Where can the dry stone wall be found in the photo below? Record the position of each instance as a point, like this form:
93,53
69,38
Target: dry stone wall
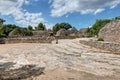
108,46
25,40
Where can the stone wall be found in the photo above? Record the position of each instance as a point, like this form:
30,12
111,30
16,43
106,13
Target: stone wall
41,33
108,46
25,40
65,37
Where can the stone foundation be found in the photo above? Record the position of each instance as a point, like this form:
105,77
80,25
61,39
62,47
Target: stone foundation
66,37
24,40
108,46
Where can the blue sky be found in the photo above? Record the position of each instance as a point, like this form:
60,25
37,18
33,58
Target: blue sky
79,13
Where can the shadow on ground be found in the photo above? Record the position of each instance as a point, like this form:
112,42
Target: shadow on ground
24,72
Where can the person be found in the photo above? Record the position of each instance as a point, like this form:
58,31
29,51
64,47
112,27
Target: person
53,37
56,41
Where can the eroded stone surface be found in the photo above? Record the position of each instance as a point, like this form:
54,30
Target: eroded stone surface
67,60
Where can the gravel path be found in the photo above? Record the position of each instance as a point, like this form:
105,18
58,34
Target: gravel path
67,60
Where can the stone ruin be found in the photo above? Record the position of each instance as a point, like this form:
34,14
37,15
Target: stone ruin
83,32
45,36
111,32
62,32
40,33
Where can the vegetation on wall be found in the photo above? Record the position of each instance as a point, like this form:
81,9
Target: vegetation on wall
40,26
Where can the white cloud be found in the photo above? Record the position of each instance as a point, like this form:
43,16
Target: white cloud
98,11
21,16
62,7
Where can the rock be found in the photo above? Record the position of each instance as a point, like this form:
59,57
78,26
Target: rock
111,31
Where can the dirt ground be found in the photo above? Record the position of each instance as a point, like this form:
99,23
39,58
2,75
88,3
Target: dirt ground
67,60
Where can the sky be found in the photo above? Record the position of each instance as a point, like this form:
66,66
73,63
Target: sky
79,13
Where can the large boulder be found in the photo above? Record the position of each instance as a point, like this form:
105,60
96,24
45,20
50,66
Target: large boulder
111,31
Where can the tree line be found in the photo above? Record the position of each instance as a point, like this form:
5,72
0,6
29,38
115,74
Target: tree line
10,30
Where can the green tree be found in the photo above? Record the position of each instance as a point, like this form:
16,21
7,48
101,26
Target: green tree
1,28
1,21
30,28
117,18
59,26
26,32
40,26
20,32
8,28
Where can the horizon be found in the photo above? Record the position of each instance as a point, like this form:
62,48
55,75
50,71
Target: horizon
79,13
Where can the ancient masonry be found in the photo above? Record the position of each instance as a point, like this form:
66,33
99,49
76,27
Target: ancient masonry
108,46
111,32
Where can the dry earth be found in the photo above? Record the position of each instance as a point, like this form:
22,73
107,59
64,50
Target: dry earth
68,60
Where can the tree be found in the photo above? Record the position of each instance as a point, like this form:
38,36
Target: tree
117,18
30,28
8,28
2,21
1,28
20,32
59,26
40,26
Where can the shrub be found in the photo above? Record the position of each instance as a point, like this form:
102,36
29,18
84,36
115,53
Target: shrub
2,35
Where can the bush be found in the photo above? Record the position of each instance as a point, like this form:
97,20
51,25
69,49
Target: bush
100,39
2,35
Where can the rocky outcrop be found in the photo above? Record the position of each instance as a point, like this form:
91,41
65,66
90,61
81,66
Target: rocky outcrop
111,32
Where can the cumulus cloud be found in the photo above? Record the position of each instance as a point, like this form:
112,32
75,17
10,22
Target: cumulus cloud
21,16
62,7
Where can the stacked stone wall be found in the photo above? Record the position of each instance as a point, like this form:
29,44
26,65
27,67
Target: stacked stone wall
108,46
25,40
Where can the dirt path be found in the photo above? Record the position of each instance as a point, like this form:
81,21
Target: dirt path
68,60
